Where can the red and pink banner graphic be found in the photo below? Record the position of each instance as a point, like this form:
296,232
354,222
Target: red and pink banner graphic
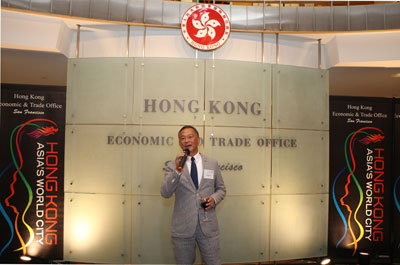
361,144
32,171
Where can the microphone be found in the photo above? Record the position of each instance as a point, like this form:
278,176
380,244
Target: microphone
183,160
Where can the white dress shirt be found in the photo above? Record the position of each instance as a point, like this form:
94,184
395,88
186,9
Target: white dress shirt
199,165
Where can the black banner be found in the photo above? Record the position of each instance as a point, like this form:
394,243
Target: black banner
32,171
360,177
396,185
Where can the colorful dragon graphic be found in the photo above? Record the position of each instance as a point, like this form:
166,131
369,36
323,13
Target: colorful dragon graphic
18,161
350,168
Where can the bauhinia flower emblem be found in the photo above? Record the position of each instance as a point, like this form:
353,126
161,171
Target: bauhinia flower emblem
205,26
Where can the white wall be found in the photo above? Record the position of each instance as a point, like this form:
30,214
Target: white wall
98,39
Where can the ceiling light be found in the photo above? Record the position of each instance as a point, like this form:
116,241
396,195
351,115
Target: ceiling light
395,75
363,258
325,261
25,258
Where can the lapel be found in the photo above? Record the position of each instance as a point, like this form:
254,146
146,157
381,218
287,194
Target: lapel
205,164
186,173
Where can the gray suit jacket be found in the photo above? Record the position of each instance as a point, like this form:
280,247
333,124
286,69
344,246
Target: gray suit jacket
187,209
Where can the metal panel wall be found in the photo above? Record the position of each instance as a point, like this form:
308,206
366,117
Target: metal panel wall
344,18
267,125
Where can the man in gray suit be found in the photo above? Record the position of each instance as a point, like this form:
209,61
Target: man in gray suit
199,181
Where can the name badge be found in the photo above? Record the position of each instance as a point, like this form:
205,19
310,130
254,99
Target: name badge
208,174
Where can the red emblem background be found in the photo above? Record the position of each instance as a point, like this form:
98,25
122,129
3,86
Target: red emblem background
205,43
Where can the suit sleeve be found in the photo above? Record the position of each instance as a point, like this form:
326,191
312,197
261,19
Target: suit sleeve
220,190
171,180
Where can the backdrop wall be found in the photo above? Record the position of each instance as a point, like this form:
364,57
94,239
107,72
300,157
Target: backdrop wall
267,125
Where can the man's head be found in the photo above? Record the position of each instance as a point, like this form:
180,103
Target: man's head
189,139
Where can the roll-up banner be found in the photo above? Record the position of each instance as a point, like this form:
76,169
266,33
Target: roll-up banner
31,171
396,185
360,177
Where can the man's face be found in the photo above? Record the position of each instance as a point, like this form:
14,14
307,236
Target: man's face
188,139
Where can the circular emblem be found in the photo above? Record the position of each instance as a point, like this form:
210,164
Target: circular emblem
205,27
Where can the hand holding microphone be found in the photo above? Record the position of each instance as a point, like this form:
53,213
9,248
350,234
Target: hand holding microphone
183,160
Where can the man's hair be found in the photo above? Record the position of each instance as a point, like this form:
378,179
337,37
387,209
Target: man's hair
186,127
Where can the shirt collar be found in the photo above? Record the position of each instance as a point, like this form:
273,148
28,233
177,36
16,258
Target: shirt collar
196,156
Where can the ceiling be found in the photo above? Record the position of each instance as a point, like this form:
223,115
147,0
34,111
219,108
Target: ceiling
46,68
33,67
364,81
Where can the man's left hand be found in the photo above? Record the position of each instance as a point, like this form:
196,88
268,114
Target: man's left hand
210,202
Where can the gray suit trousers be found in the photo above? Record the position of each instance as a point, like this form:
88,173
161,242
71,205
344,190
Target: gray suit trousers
185,248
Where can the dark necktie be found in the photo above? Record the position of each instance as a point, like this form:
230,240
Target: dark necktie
193,173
